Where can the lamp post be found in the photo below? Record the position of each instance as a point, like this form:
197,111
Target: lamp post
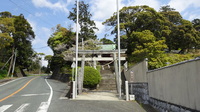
77,31
119,55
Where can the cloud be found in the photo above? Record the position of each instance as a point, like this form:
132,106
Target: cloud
100,26
182,5
191,15
103,9
152,3
58,6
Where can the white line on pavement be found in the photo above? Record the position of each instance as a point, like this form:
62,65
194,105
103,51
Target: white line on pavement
5,107
35,94
45,105
22,107
10,81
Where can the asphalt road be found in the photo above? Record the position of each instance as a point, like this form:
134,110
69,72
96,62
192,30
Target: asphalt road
38,94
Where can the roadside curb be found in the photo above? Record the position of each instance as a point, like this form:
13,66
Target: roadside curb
4,80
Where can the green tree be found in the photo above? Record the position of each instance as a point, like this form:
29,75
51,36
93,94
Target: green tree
187,36
136,19
174,19
6,29
179,33
23,36
16,34
61,40
106,41
87,25
196,24
48,58
144,45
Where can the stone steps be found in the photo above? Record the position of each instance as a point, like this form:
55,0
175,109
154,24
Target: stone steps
108,82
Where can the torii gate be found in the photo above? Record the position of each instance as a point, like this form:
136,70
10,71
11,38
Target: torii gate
98,58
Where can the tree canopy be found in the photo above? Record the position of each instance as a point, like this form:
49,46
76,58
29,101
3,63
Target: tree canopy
16,34
6,29
87,26
146,33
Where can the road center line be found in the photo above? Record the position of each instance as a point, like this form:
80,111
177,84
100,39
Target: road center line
17,90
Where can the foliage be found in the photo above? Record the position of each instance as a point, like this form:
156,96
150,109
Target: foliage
48,58
136,19
61,39
87,26
196,24
106,41
16,34
176,58
3,74
179,33
144,45
146,33
92,77
6,29
22,42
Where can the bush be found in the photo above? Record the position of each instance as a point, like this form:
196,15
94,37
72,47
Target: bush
3,74
92,77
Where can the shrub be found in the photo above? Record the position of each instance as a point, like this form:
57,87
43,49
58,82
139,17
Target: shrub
3,74
92,77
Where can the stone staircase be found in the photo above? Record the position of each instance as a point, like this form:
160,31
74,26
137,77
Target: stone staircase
108,82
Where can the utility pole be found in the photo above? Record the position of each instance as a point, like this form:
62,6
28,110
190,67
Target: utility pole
11,62
81,76
14,63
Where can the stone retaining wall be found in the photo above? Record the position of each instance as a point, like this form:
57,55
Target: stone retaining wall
140,90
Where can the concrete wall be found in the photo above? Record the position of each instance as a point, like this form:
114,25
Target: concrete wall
178,84
137,73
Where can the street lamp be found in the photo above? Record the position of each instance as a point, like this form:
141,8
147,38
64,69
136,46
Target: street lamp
77,31
119,55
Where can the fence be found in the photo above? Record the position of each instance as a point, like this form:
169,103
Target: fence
172,88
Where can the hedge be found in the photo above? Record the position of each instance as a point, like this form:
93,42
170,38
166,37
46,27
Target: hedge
92,77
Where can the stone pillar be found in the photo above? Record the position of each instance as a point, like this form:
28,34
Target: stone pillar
81,75
116,71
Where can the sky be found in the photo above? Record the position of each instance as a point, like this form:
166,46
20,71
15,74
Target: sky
43,15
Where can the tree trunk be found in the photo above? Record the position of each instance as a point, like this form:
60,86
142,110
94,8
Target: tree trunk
22,72
56,73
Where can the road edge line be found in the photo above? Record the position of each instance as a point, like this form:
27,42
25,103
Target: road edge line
44,106
11,81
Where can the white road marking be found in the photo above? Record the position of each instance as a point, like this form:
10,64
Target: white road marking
11,81
35,94
22,107
4,107
45,105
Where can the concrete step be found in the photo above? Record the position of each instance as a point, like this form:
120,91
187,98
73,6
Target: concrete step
107,87
108,81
